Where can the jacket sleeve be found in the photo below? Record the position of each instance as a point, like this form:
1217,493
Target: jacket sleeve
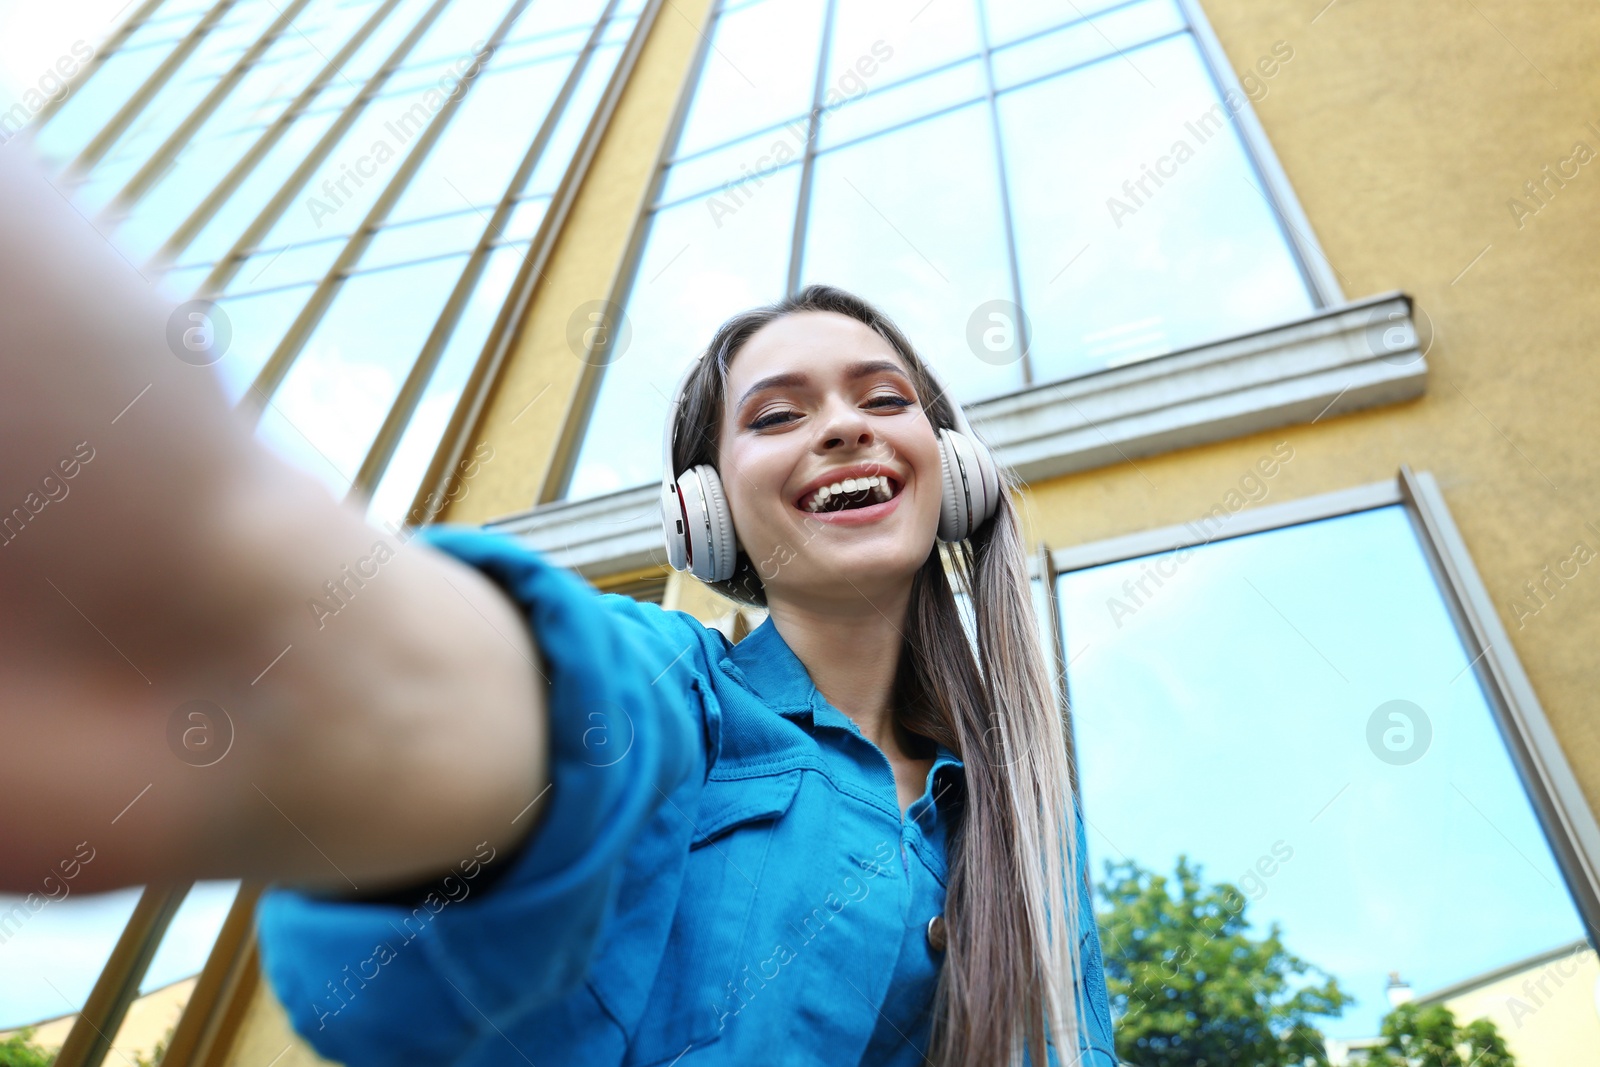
384,983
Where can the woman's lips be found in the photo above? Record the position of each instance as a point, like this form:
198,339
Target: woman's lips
857,516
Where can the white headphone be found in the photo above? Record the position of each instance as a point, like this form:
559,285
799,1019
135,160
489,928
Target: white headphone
699,527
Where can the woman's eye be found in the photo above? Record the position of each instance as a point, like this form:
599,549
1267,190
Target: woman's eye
889,400
771,418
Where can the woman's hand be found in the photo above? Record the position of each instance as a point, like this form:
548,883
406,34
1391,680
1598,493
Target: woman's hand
169,691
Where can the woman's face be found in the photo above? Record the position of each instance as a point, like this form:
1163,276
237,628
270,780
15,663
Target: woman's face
830,465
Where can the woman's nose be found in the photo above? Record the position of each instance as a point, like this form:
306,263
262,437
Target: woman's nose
844,425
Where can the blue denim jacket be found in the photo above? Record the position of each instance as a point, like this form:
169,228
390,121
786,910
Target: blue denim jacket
722,874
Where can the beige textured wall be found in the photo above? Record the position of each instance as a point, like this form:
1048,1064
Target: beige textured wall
1405,130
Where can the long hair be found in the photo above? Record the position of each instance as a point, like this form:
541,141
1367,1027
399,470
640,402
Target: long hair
1011,912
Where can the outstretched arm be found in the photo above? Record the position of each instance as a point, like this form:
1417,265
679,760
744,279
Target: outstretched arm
153,554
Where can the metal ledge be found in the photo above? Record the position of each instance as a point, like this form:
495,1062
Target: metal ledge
1358,355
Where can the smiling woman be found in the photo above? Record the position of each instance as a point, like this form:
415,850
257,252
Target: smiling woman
473,698
813,467
841,456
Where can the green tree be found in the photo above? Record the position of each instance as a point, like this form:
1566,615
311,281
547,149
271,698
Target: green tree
1193,989
1430,1037
18,1050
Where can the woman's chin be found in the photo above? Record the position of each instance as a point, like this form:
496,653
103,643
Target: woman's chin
869,566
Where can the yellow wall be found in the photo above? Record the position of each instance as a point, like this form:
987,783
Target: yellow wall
1548,1014
1404,130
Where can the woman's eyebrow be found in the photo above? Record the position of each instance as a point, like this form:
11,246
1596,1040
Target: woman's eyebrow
852,372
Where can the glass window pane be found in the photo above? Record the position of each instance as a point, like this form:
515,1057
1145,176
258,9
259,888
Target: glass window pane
1303,695
1159,237
737,165
188,941
259,322
452,35
748,82
240,210
53,953
349,181
702,264
338,392
457,232
911,221
479,152
881,108
95,101
1082,41
1010,19
183,282
278,267
370,154
525,219
286,68
58,963
557,157
398,486
173,103
887,40
375,51
164,207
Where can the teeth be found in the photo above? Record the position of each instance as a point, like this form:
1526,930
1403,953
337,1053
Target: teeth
877,484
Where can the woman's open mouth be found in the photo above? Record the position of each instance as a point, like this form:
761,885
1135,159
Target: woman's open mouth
871,495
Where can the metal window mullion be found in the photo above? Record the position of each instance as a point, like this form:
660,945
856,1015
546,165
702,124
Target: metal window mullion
292,112
216,1006
1055,650
277,366
1553,791
581,404
107,49
101,142
228,265
480,385
97,1024
1023,331
1103,57
427,361
808,164
1318,272
156,165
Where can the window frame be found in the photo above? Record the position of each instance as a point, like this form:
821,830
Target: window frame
1558,802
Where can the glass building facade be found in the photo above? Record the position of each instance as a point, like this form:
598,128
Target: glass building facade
353,183
1309,699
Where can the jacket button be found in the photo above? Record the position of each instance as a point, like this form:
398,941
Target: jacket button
936,934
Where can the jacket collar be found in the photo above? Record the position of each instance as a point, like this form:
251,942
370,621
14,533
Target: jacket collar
772,670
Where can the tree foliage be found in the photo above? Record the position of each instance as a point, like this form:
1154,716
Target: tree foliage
1193,989
18,1050
1430,1037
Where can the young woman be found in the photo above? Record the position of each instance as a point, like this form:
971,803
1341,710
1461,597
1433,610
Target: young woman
602,834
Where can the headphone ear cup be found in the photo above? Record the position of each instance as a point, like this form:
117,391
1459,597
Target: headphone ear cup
953,498
674,527
716,551
971,486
